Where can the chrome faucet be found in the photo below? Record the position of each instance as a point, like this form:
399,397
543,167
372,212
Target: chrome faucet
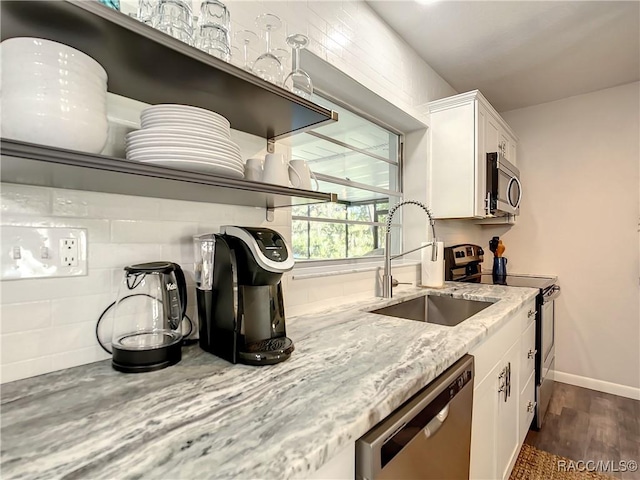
387,279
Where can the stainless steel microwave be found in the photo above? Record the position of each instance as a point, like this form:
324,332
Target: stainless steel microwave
504,190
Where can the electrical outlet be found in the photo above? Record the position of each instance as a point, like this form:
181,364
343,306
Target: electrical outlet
37,252
69,252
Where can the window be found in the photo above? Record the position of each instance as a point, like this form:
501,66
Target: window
359,161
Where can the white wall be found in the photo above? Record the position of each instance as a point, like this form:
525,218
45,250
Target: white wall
578,159
48,324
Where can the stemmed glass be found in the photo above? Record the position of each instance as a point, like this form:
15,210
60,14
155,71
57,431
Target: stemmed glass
267,66
298,81
281,54
246,38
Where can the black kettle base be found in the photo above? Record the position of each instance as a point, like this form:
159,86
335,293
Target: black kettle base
138,361
266,352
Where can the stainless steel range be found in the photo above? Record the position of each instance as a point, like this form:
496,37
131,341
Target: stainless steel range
463,264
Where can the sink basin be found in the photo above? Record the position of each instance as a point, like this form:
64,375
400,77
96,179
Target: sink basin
446,311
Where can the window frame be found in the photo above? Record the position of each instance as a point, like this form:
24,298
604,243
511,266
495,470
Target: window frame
398,196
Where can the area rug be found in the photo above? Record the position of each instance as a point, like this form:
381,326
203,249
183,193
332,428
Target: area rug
534,464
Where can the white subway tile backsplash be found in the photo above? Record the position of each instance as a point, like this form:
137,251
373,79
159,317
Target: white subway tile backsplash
10,372
24,200
22,317
21,291
21,346
109,255
73,203
79,356
142,231
71,337
86,308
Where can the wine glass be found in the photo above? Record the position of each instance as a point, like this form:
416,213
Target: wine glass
267,66
281,54
246,38
298,81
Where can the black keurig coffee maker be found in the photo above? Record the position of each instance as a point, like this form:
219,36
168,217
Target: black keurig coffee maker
246,323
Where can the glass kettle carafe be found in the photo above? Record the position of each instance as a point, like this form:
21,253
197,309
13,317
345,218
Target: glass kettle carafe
147,317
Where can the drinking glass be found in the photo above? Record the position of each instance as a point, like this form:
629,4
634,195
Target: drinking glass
282,54
215,41
147,10
246,38
174,18
298,81
267,66
213,12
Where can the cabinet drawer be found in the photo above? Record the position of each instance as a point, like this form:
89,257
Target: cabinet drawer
528,354
489,353
526,407
527,315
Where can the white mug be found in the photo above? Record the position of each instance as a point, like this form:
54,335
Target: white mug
253,169
301,167
277,170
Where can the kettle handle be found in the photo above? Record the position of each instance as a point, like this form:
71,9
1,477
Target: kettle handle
182,288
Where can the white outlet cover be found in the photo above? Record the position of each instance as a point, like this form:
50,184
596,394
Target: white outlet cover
34,252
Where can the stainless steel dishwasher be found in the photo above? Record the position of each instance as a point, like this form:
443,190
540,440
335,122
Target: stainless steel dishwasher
429,437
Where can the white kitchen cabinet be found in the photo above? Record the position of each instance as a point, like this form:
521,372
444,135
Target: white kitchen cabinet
501,398
463,129
508,421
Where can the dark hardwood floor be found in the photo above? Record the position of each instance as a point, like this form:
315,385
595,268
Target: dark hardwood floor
583,424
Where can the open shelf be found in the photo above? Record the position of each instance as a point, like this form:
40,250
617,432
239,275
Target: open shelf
152,67
30,164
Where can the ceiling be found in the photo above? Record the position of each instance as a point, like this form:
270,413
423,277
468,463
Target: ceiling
522,53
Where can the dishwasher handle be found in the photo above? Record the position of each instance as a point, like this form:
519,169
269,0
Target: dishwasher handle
434,425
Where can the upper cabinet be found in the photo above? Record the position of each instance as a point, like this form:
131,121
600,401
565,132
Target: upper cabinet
464,128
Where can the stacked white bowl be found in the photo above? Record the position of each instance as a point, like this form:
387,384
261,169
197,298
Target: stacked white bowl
186,138
52,94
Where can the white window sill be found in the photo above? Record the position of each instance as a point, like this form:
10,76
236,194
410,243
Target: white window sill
303,272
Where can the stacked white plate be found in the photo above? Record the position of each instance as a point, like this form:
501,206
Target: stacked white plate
187,138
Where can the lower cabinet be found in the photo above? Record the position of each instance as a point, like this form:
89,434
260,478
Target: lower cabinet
499,422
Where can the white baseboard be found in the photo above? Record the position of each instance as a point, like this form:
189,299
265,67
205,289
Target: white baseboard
599,385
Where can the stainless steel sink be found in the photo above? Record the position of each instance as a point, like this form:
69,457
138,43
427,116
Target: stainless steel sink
446,311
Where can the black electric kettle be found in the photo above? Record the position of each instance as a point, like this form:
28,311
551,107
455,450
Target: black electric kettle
147,318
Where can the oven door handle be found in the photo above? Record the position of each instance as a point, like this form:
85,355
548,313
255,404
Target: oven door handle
551,294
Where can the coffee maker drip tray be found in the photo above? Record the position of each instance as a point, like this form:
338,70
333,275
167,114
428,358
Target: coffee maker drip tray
266,352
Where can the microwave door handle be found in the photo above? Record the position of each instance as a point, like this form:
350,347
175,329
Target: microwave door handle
516,180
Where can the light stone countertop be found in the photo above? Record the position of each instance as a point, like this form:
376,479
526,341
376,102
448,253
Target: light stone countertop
206,418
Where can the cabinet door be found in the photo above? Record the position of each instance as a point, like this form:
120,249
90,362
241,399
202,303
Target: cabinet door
491,134
452,166
512,152
508,419
483,427
480,163
505,141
